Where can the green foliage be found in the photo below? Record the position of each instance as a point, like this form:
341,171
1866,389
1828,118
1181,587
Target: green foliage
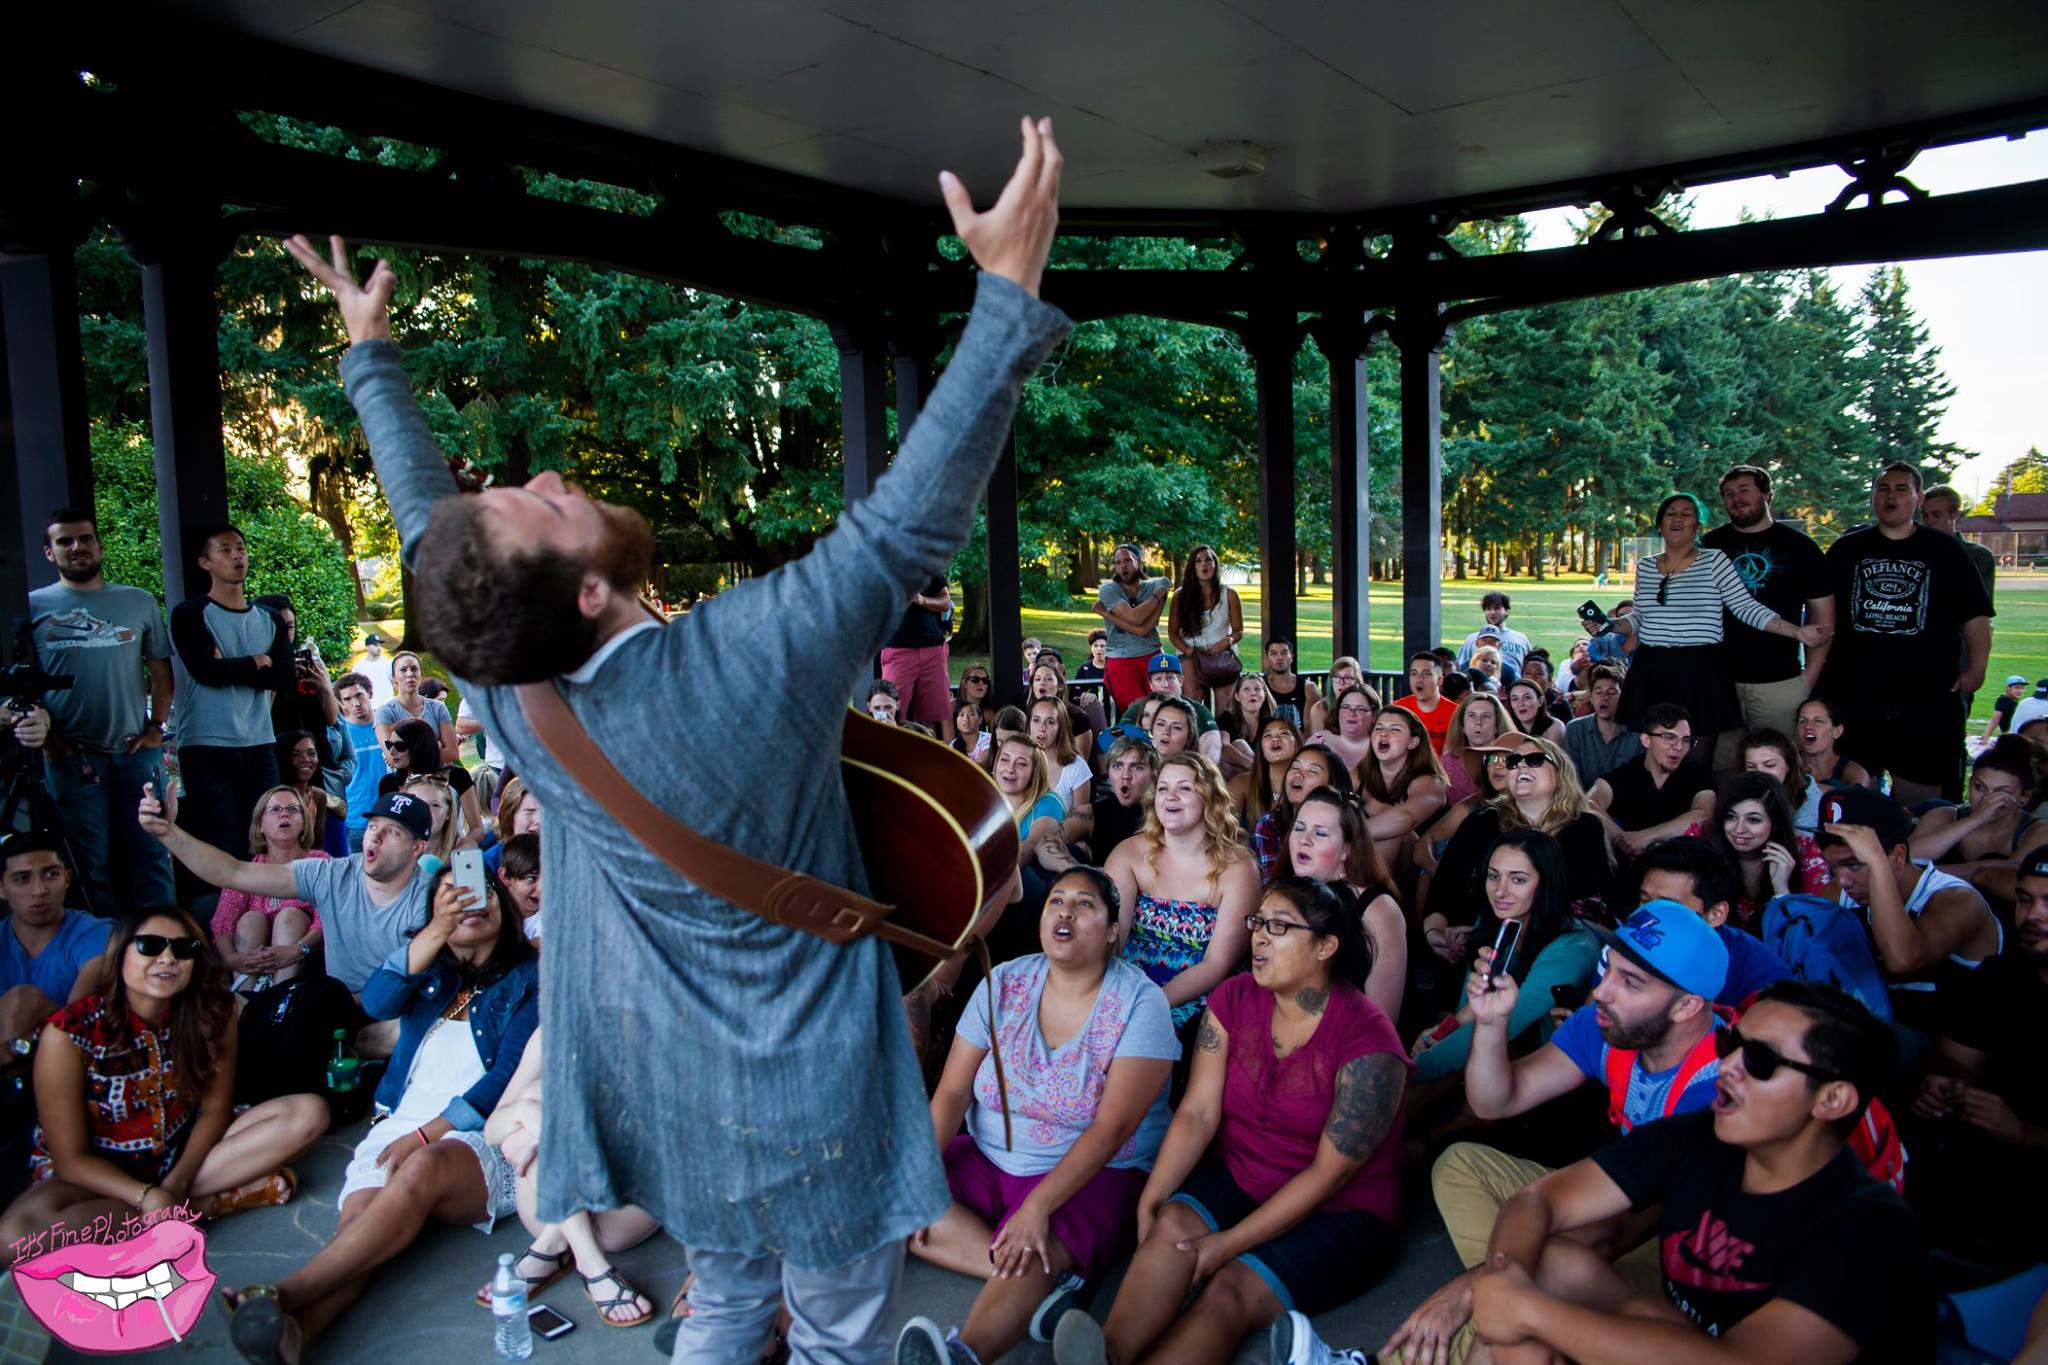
290,551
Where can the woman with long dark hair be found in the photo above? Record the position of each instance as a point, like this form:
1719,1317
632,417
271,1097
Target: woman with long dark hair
466,994
1527,702
1404,786
1313,765
1330,844
1752,829
1525,884
1205,622
135,1088
407,703
1278,1184
1257,791
298,766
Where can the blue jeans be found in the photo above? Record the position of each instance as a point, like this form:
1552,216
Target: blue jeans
840,1316
96,795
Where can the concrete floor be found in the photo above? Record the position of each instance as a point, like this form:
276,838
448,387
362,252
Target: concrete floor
420,1304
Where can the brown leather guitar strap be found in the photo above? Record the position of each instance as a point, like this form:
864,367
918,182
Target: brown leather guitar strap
776,894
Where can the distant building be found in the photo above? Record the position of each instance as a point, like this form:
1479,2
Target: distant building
2016,531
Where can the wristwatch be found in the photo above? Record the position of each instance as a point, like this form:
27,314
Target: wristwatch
305,948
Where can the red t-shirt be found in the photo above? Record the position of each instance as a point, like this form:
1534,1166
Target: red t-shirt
1437,722
1274,1110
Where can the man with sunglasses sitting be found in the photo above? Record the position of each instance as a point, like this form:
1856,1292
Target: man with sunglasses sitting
1661,792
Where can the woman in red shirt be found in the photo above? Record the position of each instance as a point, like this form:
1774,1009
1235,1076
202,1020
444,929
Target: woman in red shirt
1277,1187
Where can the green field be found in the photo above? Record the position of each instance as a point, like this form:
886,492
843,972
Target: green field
1546,613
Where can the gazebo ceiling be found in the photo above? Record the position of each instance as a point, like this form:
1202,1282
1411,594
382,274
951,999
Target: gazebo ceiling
1365,105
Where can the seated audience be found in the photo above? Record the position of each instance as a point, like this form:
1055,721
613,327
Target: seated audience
518,812
1163,677
1025,779
976,685
1185,885
970,731
298,765
440,800
1345,673
1293,695
1818,730
1536,668
1526,702
1049,680
1694,874
1313,765
1045,1196
1779,1247
1995,828
1525,885
367,902
1754,832
410,751
1091,669
1246,714
1351,739
1480,724
1172,723
1426,701
1277,1186
1659,792
1255,792
135,1088
519,870
1486,670
1120,806
49,956
1542,793
1932,930
1772,754
1403,786
263,939
884,701
408,702
467,967
582,1242
1073,780
1330,845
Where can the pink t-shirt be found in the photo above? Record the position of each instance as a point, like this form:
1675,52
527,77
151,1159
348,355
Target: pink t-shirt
235,904
1274,1110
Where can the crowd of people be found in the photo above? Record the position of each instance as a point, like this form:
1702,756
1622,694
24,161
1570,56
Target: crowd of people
1281,958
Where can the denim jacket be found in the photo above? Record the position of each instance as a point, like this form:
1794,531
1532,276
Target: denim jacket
502,1017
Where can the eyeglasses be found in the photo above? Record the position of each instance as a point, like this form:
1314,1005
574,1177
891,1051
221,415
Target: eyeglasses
1510,762
1276,927
1354,710
293,809
153,945
1761,1060
1670,737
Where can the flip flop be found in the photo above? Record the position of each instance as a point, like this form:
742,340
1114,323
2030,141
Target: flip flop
563,1262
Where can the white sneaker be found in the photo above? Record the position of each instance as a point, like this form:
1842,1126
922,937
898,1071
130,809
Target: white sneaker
1066,1294
1294,1342
1077,1340
921,1343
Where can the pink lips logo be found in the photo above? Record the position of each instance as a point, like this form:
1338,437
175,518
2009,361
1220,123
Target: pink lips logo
117,1297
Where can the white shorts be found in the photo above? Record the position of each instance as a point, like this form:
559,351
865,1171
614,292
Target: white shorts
365,1174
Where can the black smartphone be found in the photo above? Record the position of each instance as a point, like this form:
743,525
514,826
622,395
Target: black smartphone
547,1323
1504,946
1568,996
1589,610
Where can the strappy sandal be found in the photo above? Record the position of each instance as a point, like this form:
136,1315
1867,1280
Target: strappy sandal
281,1188
257,1323
623,1299
563,1262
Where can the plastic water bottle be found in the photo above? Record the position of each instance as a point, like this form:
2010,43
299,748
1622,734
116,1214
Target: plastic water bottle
508,1307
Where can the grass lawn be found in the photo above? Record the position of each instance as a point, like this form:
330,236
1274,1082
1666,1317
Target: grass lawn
1547,613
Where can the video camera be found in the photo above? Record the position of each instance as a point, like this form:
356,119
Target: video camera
25,684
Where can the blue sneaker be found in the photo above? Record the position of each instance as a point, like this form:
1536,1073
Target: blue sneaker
1294,1342
1066,1294
922,1343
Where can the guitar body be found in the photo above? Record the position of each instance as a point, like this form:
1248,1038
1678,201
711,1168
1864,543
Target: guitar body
938,838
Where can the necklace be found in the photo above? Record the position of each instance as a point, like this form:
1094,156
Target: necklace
457,1009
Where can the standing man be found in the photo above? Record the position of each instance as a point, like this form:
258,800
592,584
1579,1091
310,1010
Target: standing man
1907,606
1129,604
232,659
107,729
783,1170
353,691
376,669
1425,700
1598,743
1941,507
1786,571
1514,646
915,658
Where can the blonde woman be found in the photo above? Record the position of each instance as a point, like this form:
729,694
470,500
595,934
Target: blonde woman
1345,672
1479,723
441,800
1185,883
1542,792
262,937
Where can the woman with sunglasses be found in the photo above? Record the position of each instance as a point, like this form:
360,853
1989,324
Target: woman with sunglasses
976,686
1278,1184
1313,765
1048,1201
1542,793
1676,625
408,704
1330,844
1258,791
1752,829
135,1094
411,750
263,937
466,996
1351,740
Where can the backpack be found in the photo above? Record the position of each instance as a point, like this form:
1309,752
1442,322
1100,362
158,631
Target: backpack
286,1035
1825,941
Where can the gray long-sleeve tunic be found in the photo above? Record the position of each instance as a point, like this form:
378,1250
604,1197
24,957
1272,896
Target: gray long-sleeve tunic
751,1086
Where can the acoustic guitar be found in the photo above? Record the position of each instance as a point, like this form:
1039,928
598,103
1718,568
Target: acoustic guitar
938,838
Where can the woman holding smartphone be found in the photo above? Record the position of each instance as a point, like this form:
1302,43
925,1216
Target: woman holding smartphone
1534,940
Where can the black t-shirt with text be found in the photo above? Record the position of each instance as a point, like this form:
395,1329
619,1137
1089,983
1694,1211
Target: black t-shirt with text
1640,803
1784,570
1900,606
1838,1244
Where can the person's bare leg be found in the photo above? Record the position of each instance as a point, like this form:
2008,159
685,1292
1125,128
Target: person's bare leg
258,1142
1235,1302
252,931
23,1010
290,925
1159,1279
45,1204
592,1262
958,1242
443,1183
1002,1311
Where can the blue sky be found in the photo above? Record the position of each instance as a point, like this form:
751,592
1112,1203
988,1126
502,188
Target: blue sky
1985,312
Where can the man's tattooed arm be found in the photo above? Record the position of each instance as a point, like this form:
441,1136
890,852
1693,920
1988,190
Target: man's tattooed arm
1368,1100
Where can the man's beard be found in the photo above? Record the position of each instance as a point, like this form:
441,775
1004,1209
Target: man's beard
625,555
1127,577
1637,1037
73,573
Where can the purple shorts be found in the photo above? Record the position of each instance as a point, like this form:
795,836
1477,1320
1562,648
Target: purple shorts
1097,1225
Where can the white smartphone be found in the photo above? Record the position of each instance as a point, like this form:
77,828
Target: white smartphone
1504,945
469,873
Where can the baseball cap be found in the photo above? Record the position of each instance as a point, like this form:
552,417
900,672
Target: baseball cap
1134,548
2016,681
1163,663
407,810
1669,941
373,638
1862,806
1489,631
1108,738
2036,865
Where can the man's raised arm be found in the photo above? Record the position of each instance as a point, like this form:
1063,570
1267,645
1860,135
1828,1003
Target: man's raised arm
410,463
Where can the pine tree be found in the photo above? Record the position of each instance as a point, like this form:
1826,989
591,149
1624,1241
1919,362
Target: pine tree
1906,392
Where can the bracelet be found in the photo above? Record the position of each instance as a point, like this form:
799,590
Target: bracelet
144,1195
421,1134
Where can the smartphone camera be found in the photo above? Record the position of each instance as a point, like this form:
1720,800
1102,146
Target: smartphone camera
547,1324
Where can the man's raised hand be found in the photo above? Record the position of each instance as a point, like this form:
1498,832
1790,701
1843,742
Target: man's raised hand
365,307
1011,238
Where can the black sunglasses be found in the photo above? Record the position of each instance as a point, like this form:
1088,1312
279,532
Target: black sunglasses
394,744
1510,762
1662,583
1761,1060
153,945
981,678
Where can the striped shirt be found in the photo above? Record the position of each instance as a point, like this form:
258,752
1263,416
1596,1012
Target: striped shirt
1693,597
